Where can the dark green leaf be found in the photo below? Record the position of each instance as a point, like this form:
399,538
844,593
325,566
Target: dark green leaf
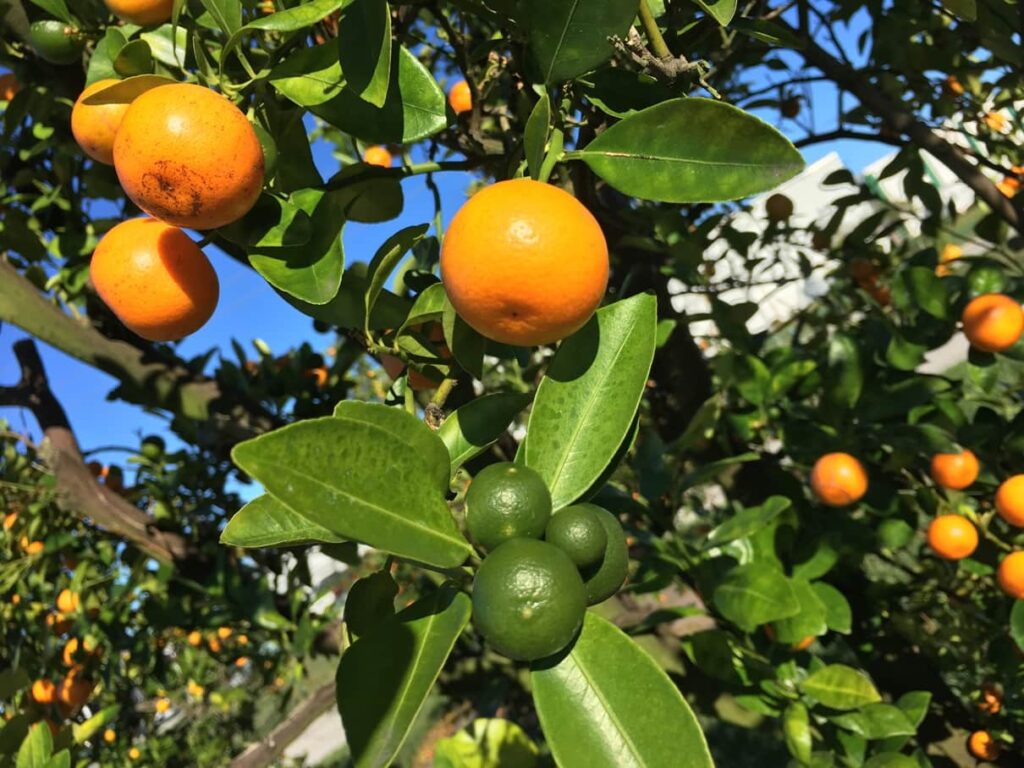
965,9
891,760
364,49
841,687
928,291
620,92
904,355
299,17
876,721
370,601
273,223
226,13
755,594
267,522
844,377
469,430
135,58
721,10
386,259
467,345
429,305
809,622
838,615
748,521
1017,623
12,681
535,137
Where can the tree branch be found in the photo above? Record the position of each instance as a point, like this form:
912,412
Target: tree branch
845,133
78,491
265,751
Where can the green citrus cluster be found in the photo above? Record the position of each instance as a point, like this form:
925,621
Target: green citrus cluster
542,570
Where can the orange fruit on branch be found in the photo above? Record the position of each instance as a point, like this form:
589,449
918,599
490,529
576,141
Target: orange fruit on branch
524,263
993,322
1010,500
189,157
460,97
155,279
74,690
983,746
955,471
952,537
838,479
142,12
377,156
95,125
1011,575
67,601
44,691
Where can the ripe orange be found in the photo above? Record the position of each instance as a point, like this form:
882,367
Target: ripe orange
838,479
155,279
983,746
15,598
195,639
213,644
1009,186
377,156
109,736
94,126
954,470
67,601
9,86
59,622
1010,500
162,705
952,537
995,121
524,263
134,754
44,691
9,520
1011,575
188,156
31,547
71,649
394,367
142,12
993,322
953,86
991,700
74,690
804,644
460,97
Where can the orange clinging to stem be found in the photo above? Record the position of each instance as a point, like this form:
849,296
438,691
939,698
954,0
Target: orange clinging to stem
524,263
838,479
955,471
142,12
1011,575
95,125
460,97
189,157
155,279
44,691
1010,500
993,322
67,601
378,156
983,746
952,537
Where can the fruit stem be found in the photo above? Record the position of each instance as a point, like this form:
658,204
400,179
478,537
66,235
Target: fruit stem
442,393
653,33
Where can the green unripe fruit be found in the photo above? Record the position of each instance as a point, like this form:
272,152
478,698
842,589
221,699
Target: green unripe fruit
985,278
56,42
528,599
578,532
506,501
604,580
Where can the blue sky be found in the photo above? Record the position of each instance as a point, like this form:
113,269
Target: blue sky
250,309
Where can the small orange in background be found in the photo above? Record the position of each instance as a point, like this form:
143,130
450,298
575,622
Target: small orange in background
31,547
162,705
224,632
74,690
952,537
950,253
991,700
241,661
142,12
9,86
189,157
1010,185
95,125
242,639
1011,575
319,376
804,644
59,622
983,746
195,638
134,754
109,736
377,156
953,86
15,598
955,471
155,279
778,207
67,601
213,644
9,520
995,121
72,647
524,263
44,691
993,322
418,381
1010,500
838,479
460,97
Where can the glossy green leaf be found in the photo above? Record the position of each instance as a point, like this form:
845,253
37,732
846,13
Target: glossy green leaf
35,750
293,19
364,49
876,721
891,760
620,92
169,45
267,522
844,378
838,614
469,430
535,135
101,63
721,11
365,194
84,731
748,521
588,397
429,305
414,107
370,601
904,355
384,678
607,704
841,687
809,622
915,705
359,480
226,13
466,344
126,91
755,594
928,291
272,223
493,743
387,258
569,37
60,760
135,58
796,727
692,150
346,309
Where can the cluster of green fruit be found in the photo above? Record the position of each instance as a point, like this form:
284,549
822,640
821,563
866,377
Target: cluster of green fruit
541,570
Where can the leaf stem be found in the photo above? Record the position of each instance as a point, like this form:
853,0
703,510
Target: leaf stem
442,393
653,33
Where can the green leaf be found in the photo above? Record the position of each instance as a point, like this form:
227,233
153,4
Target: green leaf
535,136
361,481
891,760
127,91
809,622
273,223
300,17
965,9
928,291
841,687
385,677
915,705
168,44
414,107
429,305
370,601
493,743
904,355
755,594
721,11
838,615
135,58
364,49
569,37
12,681
35,750
366,194
692,150
467,345
586,401
620,92
876,721
748,521
796,726
60,760
311,271
844,378
469,430
1017,623
607,704
385,261
226,13
101,63
84,731
267,522
57,9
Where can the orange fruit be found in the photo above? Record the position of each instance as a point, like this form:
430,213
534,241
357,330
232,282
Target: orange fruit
195,690
142,12
524,263
9,520
242,639
162,705
67,601
241,661
395,367
195,639
460,97
951,252
213,644
991,700
155,279
993,322
1009,186
838,479
74,690
1011,575
953,86
9,86
15,599
224,632
983,746
377,156
954,470
804,644
95,125
44,691
31,547
995,121
1010,500
109,736
188,156
59,622
71,649
134,754
952,537
319,376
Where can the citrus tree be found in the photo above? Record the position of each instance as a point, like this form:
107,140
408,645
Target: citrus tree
596,509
